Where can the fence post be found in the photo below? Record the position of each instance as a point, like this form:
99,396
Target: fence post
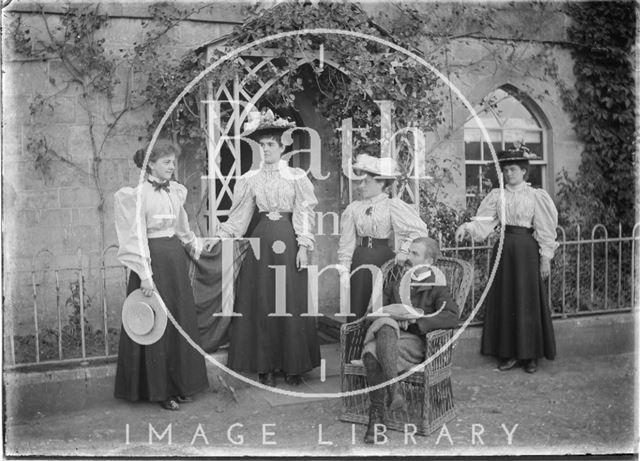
35,314
564,272
633,265
619,264
59,314
103,289
578,271
81,296
606,263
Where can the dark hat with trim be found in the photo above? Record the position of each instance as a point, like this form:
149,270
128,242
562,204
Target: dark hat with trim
265,122
517,154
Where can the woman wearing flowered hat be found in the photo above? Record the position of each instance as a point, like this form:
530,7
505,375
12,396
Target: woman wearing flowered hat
517,321
367,224
261,341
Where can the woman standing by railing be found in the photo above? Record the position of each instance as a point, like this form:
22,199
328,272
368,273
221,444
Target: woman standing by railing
151,235
517,323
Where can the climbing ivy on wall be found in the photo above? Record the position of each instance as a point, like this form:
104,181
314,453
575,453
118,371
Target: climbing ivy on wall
367,71
602,106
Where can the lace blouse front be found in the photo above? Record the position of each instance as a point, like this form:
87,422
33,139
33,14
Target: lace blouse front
378,217
160,214
525,207
275,187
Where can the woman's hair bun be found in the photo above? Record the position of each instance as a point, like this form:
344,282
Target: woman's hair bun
138,157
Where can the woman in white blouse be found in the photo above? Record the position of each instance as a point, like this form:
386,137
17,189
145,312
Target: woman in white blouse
152,229
517,321
271,335
368,224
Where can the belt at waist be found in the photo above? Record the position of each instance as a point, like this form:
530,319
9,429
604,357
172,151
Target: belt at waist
371,242
276,215
517,230
161,233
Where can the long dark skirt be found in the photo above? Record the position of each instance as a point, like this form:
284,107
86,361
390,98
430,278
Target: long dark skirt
362,281
517,321
170,366
259,343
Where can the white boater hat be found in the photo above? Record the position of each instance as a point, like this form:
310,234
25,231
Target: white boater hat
144,318
384,168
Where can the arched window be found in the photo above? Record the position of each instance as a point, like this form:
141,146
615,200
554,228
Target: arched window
507,120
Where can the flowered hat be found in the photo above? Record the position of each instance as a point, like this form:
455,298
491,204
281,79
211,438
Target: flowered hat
384,168
265,122
143,317
519,153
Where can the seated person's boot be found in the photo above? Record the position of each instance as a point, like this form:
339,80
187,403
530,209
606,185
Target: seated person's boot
376,416
397,402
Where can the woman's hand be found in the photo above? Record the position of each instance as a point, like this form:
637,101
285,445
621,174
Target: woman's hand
302,259
146,286
461,233
209,243
545,267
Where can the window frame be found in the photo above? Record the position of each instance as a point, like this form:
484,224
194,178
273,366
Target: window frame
538,116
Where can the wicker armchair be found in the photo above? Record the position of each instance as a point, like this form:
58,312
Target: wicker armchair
428,392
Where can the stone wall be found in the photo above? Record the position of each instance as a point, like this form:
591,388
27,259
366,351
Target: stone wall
50,218
57,211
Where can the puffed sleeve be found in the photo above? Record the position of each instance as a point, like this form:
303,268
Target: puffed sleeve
406,223
303,205
486,218
183,230
545,221
241,210
131,228
347,244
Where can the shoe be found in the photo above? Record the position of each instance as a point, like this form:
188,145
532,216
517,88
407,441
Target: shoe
531,366
507,364
397,403
376,416
170,404
294,380
183,399
268,379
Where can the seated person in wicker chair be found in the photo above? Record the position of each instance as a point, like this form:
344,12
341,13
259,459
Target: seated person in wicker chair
394,346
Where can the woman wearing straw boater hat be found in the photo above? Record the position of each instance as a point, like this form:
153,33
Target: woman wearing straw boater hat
367,224
517,321
155,361
262,340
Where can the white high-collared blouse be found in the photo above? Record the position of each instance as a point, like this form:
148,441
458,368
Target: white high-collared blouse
161,214
525,206
274,187
378,217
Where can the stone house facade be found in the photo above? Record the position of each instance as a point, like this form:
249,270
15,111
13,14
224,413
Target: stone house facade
50,217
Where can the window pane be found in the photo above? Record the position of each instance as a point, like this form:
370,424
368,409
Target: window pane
512,113
488,120
535,175
536,148
473,178
472,151
490,178
497,145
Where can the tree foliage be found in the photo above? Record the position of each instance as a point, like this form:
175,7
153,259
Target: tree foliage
602,106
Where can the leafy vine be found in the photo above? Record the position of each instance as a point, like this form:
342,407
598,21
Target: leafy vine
602,106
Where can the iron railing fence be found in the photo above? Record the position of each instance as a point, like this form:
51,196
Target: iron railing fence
588,276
